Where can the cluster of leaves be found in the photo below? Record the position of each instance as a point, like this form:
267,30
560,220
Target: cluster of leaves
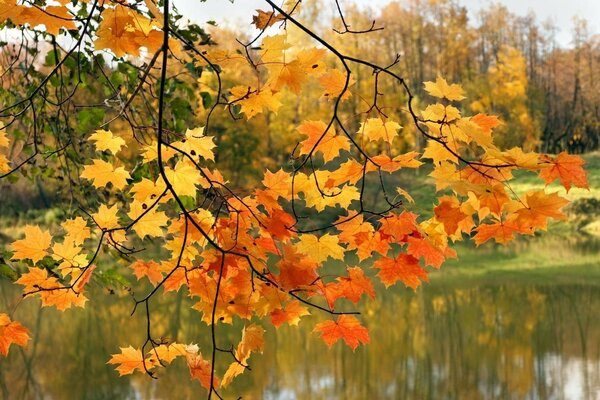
270,252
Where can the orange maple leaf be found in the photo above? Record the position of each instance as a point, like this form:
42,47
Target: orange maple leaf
11,332
568,169
347,328
403,268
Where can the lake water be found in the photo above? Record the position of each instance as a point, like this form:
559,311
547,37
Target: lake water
501,323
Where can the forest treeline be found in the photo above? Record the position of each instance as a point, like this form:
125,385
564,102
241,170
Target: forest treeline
514,66
546,94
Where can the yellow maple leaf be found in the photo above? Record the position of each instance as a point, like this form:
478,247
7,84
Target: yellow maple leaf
128,361
3,138
4,164
62,298
101,173
150,152
76,229
273,48
196,144
106,218
375,129
440,88
52,17
124,30
151,223
105,140
34,246
255,101
333,82
321,248
184,178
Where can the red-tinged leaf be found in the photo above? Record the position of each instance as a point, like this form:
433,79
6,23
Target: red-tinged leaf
398,226
347,328
568,169
11,332
540,207
355,285
201,370
449,213
501,232
149,269
486,122
175,281
403,268
291,313
422,247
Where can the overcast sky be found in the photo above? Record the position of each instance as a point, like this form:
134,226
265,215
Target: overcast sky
559,11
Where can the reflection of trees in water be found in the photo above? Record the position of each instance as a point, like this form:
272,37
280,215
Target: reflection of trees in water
443,341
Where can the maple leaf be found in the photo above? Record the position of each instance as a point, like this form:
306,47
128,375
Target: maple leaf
333,82
539,207
34,246
350,171
441,88
149,269
184,178
327,143
101,173
9,10
69,254
295,269
273,48
201,370
106,218
355,285
76,229
52,17
125,31
11,332
3,138
403,268
449,213
62,298
254,102
290,313
438,153
83,279
422,247
375,129
568,169
400,161
320,248
197,144
347,328
128,361
439,112
36,277
105,140
501,232
278,183
165,354
486,122
264,19
147,223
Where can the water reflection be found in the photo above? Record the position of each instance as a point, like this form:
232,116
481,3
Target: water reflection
446,341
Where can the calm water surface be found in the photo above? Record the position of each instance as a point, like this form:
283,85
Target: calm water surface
502,335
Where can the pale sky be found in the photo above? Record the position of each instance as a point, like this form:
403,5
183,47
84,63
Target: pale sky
560,12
